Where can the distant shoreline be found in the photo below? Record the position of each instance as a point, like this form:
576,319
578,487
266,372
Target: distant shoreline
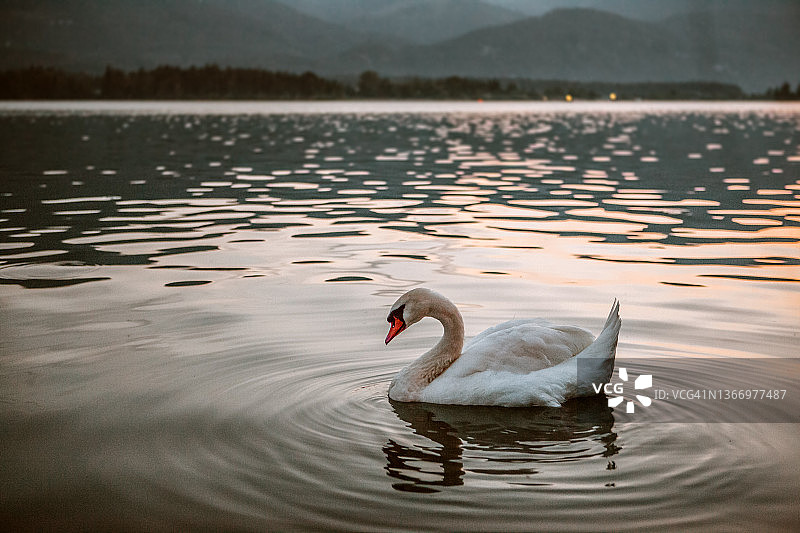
215,83
9,108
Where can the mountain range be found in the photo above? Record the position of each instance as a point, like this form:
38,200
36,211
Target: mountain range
755,45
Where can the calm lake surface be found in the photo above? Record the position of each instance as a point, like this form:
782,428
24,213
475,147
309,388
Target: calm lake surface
193,302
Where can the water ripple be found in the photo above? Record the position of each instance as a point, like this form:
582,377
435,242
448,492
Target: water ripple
207,352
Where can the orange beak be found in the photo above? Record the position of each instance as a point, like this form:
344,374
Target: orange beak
395,329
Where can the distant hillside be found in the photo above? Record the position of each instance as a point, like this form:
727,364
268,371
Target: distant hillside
754,51
340,11
637,9
564,44
429,21
653,10
754,48
89,34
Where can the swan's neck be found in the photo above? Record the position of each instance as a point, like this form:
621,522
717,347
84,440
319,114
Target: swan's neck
430,365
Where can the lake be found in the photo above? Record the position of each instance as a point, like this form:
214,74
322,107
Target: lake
194,300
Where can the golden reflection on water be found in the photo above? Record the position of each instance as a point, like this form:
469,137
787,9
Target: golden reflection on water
680,201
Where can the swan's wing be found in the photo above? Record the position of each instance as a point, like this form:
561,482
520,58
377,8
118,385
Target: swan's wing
520,348
551,386
548,387
503,326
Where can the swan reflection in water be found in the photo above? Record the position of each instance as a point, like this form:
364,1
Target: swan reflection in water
508,442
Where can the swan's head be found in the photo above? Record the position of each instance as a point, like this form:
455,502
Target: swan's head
409,309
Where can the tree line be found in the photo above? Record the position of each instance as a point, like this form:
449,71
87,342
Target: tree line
166,82
214,82
783,92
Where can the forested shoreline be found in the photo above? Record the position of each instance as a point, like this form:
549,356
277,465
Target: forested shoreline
226,83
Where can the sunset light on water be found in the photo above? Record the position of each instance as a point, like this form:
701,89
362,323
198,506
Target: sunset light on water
194,307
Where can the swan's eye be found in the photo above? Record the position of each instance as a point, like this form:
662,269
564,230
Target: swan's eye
396,314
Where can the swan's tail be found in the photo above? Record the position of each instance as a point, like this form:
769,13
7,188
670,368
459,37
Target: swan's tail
612,326
596,361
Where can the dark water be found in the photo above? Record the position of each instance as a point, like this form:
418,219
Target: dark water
193,303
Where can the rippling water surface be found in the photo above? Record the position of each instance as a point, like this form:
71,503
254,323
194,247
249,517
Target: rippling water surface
193,303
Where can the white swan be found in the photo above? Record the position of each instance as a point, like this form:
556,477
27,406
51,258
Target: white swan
516,363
